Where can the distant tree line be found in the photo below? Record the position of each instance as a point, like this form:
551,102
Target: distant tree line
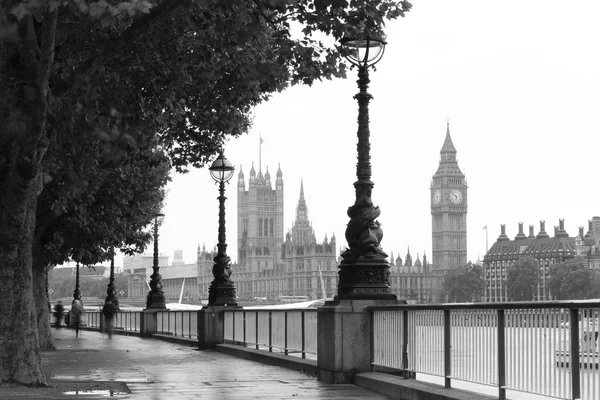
89,286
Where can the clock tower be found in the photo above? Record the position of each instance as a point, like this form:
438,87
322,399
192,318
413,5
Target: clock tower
448,211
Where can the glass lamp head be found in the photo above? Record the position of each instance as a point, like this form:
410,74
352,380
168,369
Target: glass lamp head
221,169
363,52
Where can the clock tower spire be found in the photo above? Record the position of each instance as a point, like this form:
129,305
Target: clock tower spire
448,211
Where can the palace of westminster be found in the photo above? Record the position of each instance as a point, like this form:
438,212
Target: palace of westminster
270,265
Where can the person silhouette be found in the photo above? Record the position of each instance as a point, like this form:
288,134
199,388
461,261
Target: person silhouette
59,309
76,315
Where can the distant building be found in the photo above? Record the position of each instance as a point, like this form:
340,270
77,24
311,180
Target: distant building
267,266
545,249
411,281
270,265
138,269
422,282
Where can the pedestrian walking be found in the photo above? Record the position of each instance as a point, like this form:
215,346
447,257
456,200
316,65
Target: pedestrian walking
109,311
59,309
76,315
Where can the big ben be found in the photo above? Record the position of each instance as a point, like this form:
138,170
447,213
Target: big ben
448,211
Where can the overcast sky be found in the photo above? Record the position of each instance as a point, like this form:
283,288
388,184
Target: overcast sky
520,85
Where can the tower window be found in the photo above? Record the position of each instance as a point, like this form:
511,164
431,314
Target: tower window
272,223
260,226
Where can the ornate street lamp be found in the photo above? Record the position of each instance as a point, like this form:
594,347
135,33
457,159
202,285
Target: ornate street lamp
364,271
111,289
222,289
77,292
156,297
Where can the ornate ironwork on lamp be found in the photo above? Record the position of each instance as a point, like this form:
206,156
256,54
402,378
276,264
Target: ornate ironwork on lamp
77,292
222,289
111,289
156,296
364,271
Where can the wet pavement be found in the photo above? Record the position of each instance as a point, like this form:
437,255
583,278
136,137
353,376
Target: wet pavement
155,369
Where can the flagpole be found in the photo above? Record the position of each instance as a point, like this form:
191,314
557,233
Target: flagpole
259,150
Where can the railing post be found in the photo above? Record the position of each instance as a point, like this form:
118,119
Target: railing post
501,355
372,340
256,336
447,349
285,333
270,333
190,325
574,362
232,326
244,328
405,372
303,336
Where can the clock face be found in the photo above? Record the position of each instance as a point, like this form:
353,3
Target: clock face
456,196
437,197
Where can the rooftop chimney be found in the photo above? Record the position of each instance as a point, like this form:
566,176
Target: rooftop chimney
520,235
531,235
542,233
502,236
561,229
581,232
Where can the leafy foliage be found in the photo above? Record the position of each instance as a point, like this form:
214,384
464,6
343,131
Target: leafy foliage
570,280
465,284
119,75
90,205
522,279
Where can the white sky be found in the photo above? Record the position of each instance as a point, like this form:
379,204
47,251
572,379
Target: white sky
520,84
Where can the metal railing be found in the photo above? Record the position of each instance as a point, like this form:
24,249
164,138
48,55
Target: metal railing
531,347
291,332
93,318
128,320
124,320
177,323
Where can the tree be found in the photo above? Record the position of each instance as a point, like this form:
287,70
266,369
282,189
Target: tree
522,279
464,284
570,280
90,204
190,71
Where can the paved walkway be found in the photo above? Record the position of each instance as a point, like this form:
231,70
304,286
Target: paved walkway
154,369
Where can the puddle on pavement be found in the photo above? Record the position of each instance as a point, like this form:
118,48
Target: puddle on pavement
106,393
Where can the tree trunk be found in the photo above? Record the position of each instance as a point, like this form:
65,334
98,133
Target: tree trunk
40,295
19,346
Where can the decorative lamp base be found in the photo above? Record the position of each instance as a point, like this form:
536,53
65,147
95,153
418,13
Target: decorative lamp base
156,300
364,279
222,294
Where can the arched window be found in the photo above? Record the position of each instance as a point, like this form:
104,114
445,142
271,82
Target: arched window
260,226
266,227
272,223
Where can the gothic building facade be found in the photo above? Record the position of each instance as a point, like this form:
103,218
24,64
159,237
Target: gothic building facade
267,266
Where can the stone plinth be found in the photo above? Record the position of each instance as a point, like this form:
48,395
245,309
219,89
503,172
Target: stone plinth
210,325
148,322
344,338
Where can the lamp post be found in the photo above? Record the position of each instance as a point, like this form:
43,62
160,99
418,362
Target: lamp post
222,289
364,270
156,297
77,292
111,289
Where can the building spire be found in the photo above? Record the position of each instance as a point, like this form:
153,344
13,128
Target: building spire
448,146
